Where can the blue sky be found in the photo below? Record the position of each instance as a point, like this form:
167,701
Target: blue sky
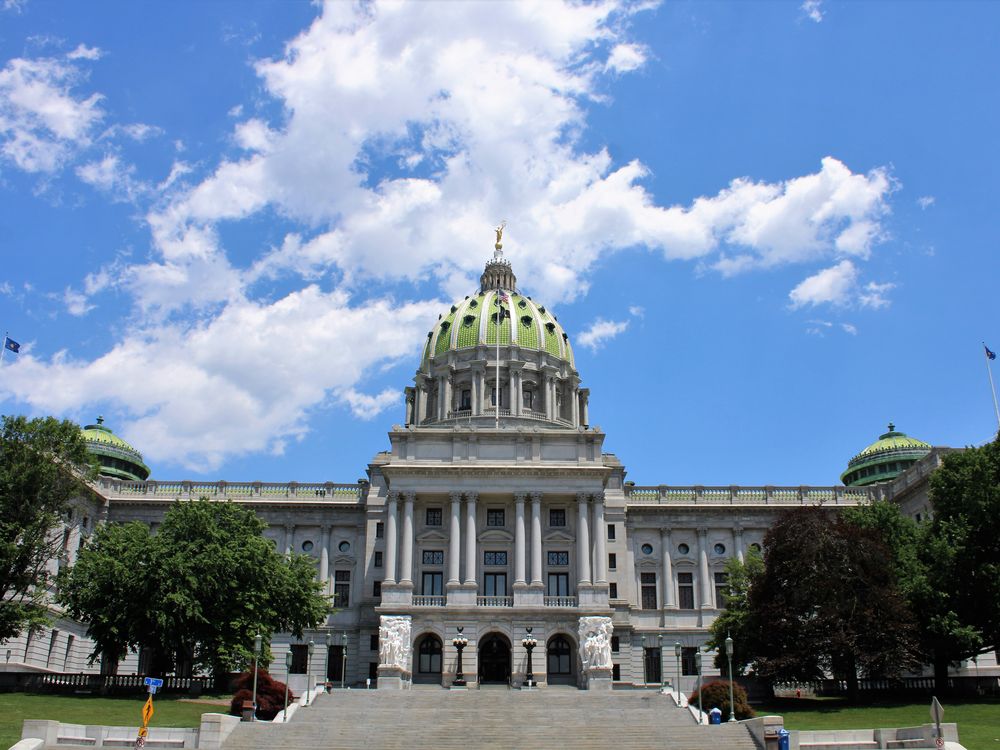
769,228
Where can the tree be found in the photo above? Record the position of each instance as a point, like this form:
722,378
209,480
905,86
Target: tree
735,618
196,592
827,603
963,543
44,464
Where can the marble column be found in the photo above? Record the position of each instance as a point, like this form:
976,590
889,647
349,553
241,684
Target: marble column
583,539
575,406
454,542
289,539
418,405
703,574
536,538
391,537
406,549
668,571
738,542
512,390
449,398
324,556
601,553
470,538
477,392
519,557
440,398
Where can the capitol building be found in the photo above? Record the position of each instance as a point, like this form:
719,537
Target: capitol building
496,519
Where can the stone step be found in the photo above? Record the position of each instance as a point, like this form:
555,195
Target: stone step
491,720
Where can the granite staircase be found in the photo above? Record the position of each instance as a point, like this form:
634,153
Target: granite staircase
490,719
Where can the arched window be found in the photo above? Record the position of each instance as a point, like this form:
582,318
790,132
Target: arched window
559,656
429,656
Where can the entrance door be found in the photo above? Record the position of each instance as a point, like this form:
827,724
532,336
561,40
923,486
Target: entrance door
653,664
559,662
428,660
335,666
494,660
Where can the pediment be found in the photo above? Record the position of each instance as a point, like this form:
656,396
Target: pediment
343,559
496,535
558,536
432,535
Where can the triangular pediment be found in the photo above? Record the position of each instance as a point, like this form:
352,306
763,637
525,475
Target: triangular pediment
432,535
343,559
558,536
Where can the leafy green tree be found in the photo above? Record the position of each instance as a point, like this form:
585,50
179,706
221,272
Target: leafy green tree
828,603
196,592
734,620
44,464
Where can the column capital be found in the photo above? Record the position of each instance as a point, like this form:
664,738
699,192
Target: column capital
456,497
471,496
520,496
289,528
410,496
737,529
536,497
392,496
583,497
702,531
598,497
664,533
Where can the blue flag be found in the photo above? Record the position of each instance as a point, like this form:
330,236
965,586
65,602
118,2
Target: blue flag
11,345
989,354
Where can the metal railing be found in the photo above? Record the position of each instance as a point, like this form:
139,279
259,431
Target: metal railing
325,491
495,601
733,495
559,601
428,601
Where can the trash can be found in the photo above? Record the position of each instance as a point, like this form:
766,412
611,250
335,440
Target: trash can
783,741
715,716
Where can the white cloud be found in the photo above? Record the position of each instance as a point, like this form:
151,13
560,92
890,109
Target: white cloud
849,328
833,285
76,302
873,295
636,311
368,407
813,10
112,176
42,120
925,201
83,52
625,58
14,6
600,332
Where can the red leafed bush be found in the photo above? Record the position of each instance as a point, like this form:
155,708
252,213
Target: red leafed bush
716,694
270,695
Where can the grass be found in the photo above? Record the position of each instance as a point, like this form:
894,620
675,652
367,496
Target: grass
978,721
85,709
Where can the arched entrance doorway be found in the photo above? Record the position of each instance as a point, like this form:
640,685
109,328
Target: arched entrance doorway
494,660
559,661
427,655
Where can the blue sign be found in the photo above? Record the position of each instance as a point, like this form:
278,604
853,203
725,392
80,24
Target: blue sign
153,682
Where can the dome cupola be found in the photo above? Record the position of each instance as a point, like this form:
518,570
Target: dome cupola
885,459
116,457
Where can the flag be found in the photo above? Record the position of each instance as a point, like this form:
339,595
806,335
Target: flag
989,354
504,297
11,345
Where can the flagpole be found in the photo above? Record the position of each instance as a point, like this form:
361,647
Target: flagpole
496,412
993,389
4,347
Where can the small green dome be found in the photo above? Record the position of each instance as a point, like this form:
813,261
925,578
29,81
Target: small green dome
885,459
116,457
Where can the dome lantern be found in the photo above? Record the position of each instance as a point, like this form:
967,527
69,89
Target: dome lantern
885,459
115,457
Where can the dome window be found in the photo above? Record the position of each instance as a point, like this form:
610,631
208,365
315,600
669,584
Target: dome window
469,320
473,304
526,320
720,549
445,326
565,337
522,304
541,309
647,549
453,308
683,548
550,327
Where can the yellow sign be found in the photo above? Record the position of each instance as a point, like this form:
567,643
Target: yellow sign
147,711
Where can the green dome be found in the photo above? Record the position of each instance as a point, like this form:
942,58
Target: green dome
474,321
116,457
885,459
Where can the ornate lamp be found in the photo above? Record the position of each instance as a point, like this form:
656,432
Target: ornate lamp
326,659
677,656
311,647
459,642
529,644
343,661
257,642
288,672
729,656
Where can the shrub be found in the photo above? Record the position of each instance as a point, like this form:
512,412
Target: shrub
716,694
270,695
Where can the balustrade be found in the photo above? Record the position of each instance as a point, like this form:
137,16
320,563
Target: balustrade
428,601
559,601
495,601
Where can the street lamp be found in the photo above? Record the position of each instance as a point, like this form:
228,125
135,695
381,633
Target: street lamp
326,660
257,641
729,655
459,642
309,649
663,675
529,644
677,656
700,666
343,661
288,675
644,660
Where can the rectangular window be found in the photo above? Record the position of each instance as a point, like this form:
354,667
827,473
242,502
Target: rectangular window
433,557
373,642
495,584
494,517
721,587
689,660
465,403
341,588
377,559
433,584
529,398
612,561
558,584
615,645
69,652
379,530
494,558
300,658
558,558
611,531
616,672
612,590
648,581
685,590
433,517
557,517
377,589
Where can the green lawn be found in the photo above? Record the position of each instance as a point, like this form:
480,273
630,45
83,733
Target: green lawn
85,709
978,722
